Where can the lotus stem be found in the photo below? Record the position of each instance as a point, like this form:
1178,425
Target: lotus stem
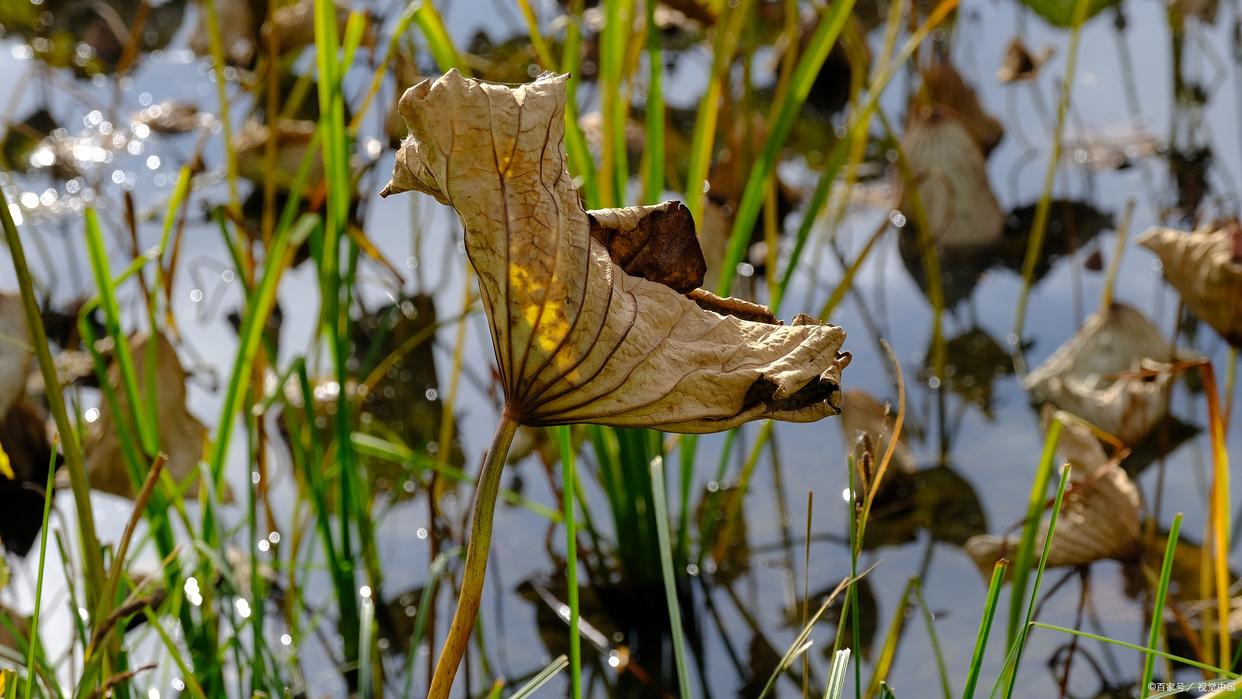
486,490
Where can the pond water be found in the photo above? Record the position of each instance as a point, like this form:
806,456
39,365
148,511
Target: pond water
978,464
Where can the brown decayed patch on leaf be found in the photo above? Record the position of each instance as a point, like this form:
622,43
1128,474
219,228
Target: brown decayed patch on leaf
656,243
1205,268
576,338
181,435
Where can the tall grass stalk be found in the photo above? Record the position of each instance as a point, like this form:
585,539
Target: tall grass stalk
70,446
1039,226
1189,662
782,119
564,440
985,628
838,673
653,173
544,676
1157,609
1010,676
1219,508
669,576
33,642
1030,529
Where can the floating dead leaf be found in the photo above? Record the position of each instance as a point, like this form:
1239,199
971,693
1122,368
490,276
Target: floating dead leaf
951,178
293,26
1019,63
1093,374
238,32
1099,520
24,440
1205,266
16,351
181,435
172,117
948,92
578,339
863,417
293,137
1115,149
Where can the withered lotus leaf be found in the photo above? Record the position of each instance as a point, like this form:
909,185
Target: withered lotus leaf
1114,372
1099,520
580,336
1205,266
951,178
182,436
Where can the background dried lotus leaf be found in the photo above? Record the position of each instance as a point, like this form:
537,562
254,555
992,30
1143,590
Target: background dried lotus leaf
1087,376
1204,268
1099,520
181,435
948,91
951,178
16,352
577,339
1019,63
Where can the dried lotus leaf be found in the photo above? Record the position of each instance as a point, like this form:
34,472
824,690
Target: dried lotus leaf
951,178
948,91
16,352
181,435
1205,266
577,339
1099,520
1094,374
1019,63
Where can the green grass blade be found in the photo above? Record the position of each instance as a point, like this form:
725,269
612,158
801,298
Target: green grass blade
564,440
930,622
1157,609
545,675
439,42
836,676
1039,226
1020,643
1026,547
1221,672
985,628
33,642
79,482
144,419
831,22
653,176
670,586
